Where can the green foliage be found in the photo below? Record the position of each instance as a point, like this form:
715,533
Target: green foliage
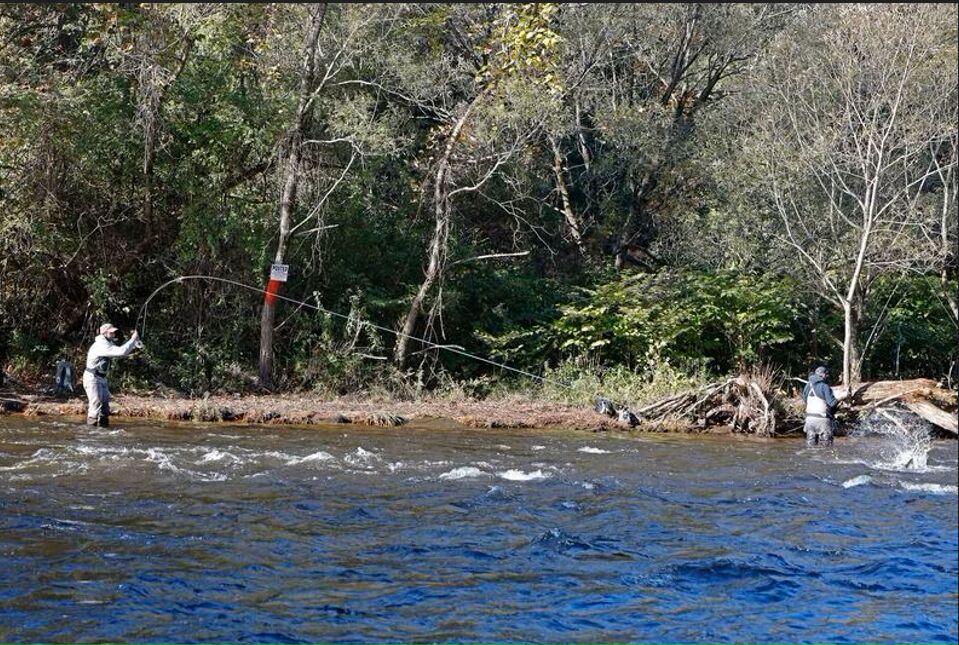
691,320
913,321
656,157
29,353
525,46
501,308
580,381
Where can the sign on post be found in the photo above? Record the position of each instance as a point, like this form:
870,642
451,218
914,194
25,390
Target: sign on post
278,272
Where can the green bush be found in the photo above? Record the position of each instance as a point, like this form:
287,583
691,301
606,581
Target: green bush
689,321
913,321
581,381
29,354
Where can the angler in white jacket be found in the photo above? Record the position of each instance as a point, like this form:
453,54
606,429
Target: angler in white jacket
95,374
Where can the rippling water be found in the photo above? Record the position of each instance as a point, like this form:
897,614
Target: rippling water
160,533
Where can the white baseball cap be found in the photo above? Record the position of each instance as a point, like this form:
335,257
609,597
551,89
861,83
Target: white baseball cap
107,327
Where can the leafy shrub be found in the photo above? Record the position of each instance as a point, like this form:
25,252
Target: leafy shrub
688,321
911,321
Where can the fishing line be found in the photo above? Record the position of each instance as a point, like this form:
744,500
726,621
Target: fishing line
142,318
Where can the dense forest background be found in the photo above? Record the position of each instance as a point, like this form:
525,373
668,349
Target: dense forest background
617,193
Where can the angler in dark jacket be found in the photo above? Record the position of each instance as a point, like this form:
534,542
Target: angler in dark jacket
821,406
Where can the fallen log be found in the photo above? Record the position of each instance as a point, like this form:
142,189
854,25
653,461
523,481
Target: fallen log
756,405
871,392
934,415
923,397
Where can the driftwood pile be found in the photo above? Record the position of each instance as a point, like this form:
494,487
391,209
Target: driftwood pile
922,397
740,403
757,406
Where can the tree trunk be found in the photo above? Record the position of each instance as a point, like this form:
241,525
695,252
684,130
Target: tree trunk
851,358
637,218
152,89
268,315
814,333
581,139
947,251
433,271
572,221
288,196
947,243
149,153
441,212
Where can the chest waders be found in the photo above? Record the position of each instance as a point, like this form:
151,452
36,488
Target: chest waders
819,424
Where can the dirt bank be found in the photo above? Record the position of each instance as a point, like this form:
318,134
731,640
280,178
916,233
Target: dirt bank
920,396
301,409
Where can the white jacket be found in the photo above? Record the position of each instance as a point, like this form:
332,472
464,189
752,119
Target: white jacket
102,350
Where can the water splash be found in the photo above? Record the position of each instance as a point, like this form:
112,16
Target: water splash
320,455
938,489
520,476
857,481
594,451
463,472
218,455
361,458
905,439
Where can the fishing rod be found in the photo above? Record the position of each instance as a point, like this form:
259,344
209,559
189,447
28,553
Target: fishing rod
142,317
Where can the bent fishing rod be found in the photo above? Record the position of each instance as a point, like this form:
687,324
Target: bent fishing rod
142,316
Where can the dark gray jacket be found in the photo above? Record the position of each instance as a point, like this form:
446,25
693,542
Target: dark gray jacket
823,391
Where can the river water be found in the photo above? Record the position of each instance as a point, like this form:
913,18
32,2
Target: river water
151,532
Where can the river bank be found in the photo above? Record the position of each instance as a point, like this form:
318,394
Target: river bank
717,409
303,409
